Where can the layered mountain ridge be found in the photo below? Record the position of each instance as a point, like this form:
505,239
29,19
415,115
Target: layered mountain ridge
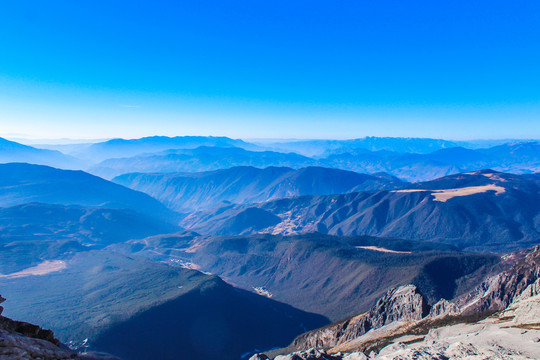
483,210
11,151
22,183
203,158
122,148
514,157
411,159
186,192
276,247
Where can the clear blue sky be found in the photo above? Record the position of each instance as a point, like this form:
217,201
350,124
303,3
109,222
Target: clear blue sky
302,69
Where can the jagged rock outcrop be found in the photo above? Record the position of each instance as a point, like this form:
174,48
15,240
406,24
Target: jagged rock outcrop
497,292
259,357
443,308
404,303
313,354
513,333
400,304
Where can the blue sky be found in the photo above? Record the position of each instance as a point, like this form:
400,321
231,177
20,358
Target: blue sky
254,69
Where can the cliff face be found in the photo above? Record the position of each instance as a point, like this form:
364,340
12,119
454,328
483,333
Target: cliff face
513,333
404,303
497,292
402,325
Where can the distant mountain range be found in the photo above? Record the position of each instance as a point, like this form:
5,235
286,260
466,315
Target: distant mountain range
25,183
516,158
121,148
53,223
410,159
484,210
322,148
11,151
203,158
47,204
187,192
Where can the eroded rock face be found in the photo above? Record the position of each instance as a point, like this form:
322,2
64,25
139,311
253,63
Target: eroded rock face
499,291
259,357
311,354
404,303
443,308
525,309
511,334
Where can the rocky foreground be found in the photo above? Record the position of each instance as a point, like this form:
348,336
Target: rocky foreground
498,320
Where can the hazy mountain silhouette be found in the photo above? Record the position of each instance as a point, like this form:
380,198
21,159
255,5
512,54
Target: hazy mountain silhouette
203,158
120,148
321,148
517,157
11,151
24,183
196,191
371,143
